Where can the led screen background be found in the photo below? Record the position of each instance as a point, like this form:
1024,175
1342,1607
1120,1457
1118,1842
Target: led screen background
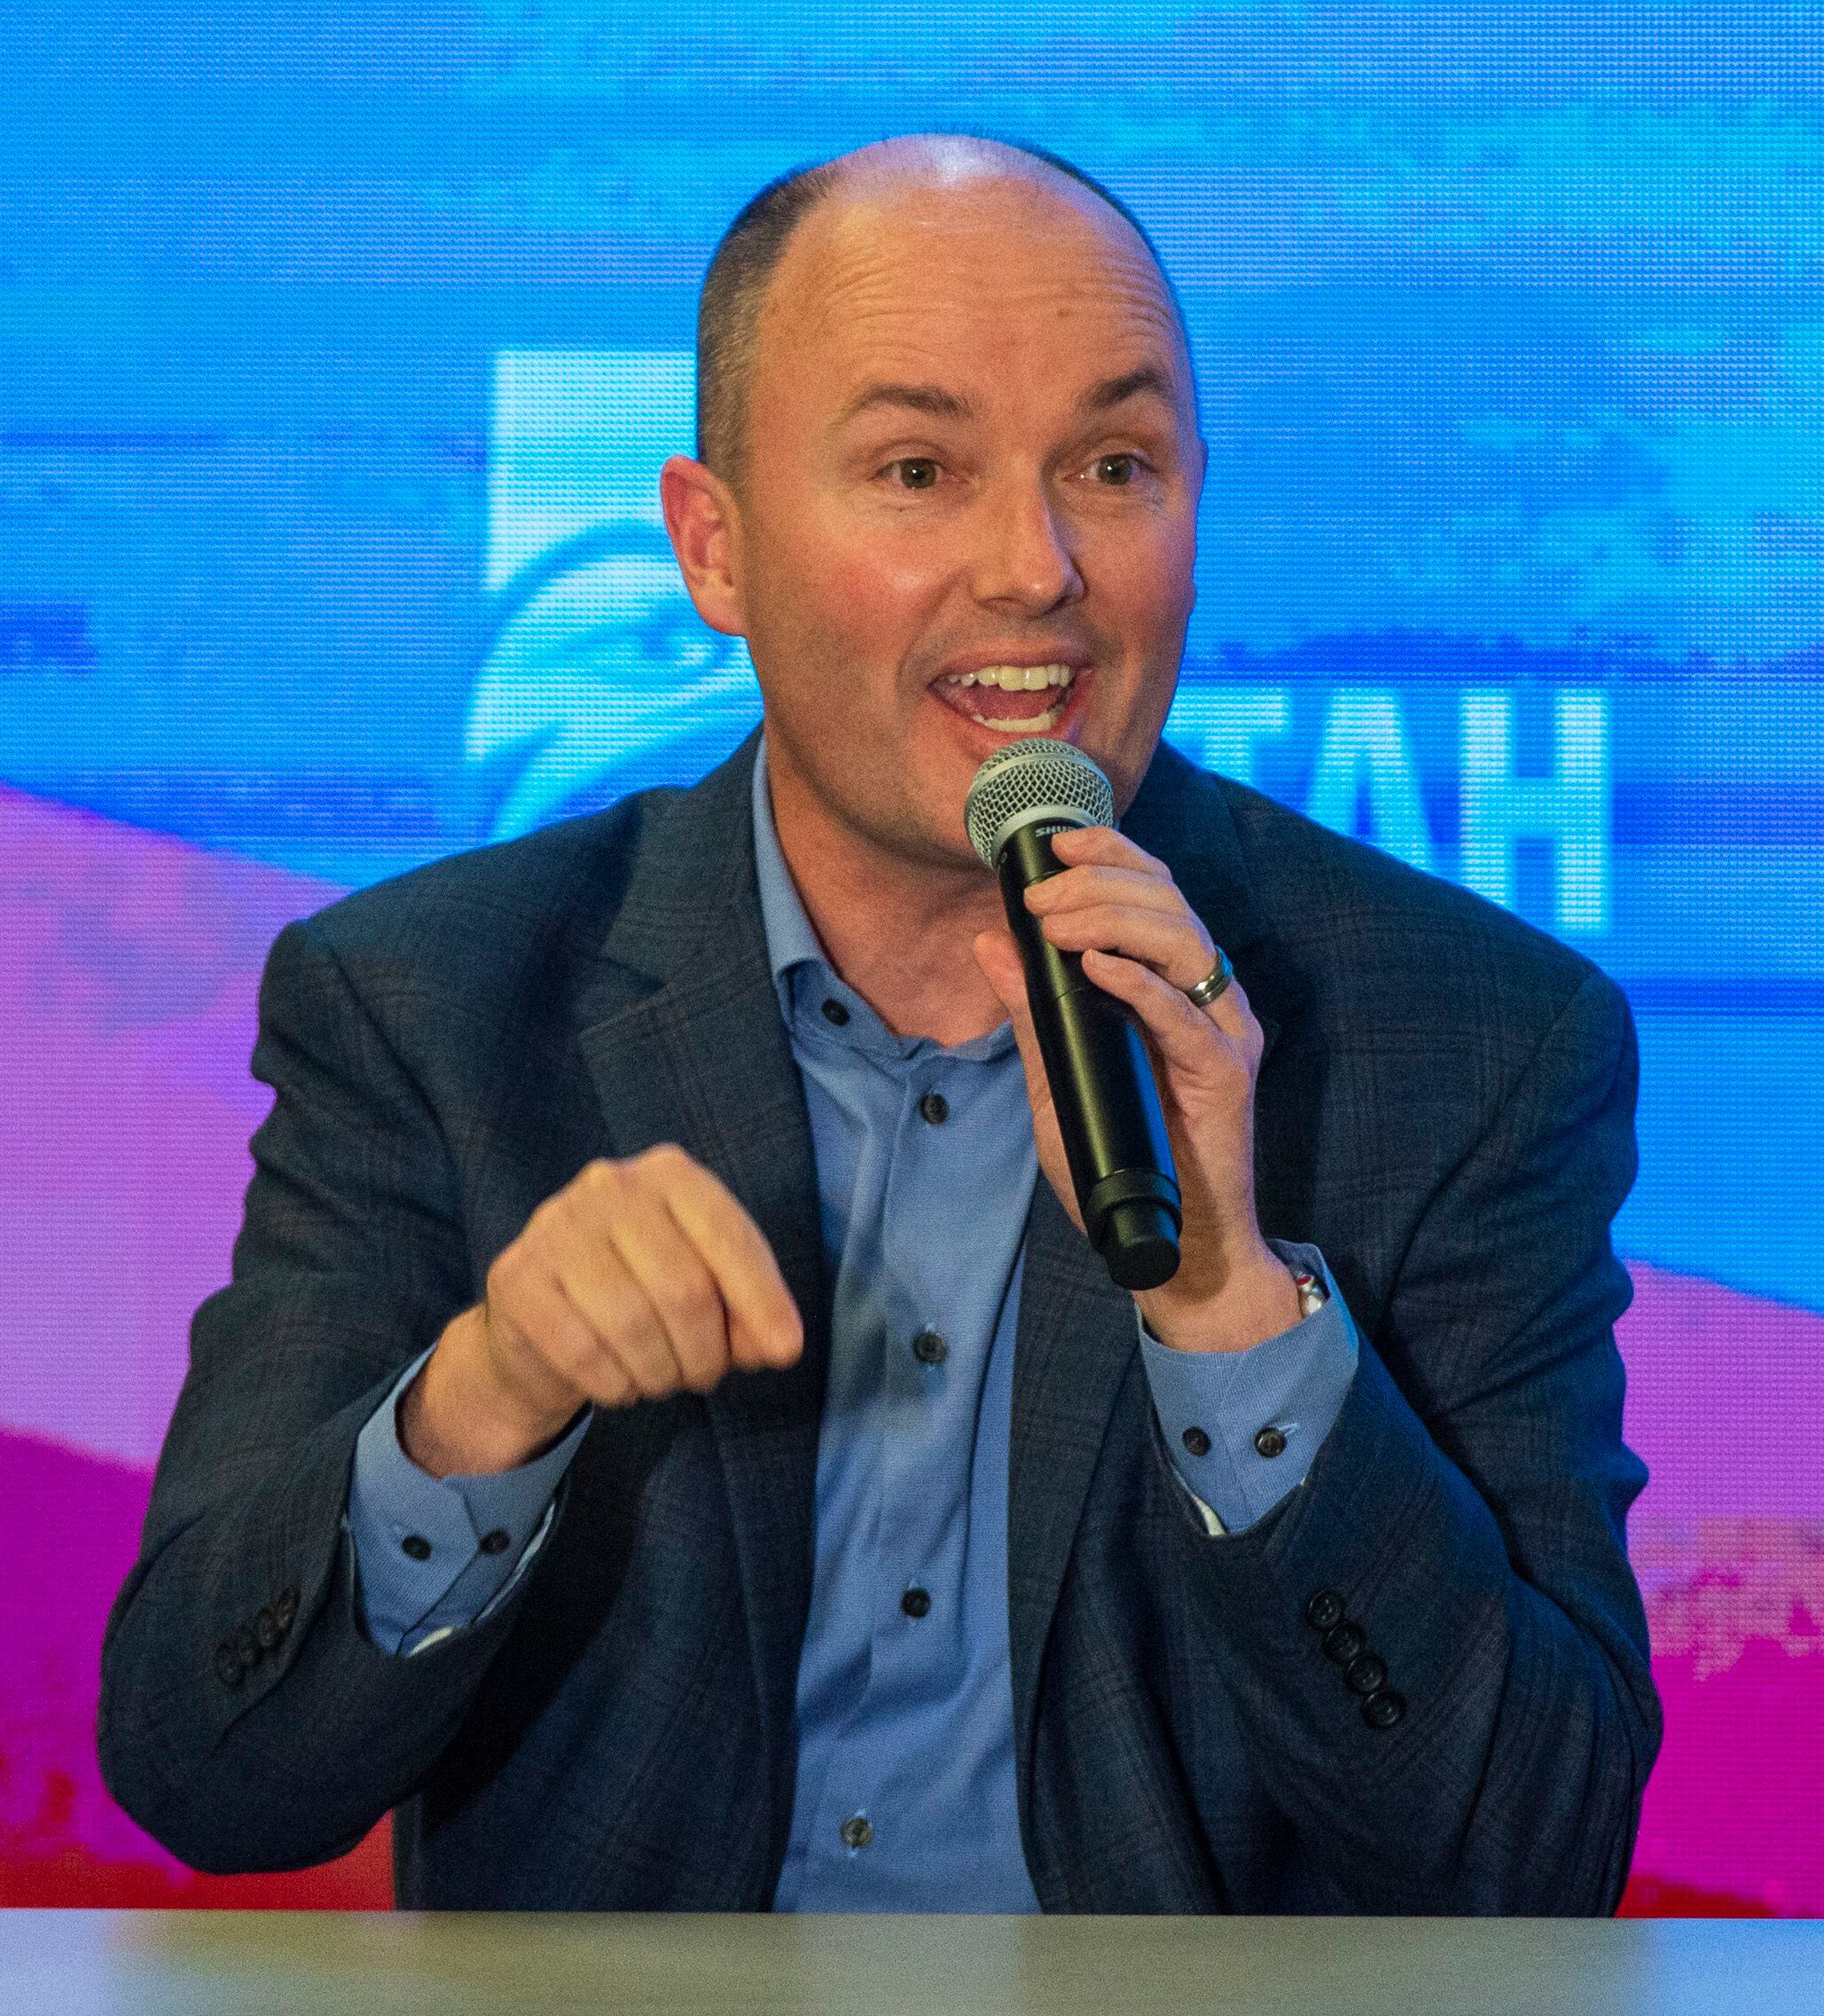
339,347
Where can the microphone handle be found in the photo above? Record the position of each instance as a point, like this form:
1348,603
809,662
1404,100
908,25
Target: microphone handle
1102,1085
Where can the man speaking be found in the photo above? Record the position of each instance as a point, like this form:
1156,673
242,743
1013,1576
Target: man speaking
667,1434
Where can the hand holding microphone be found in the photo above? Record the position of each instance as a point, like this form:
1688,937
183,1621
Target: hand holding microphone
1142,1101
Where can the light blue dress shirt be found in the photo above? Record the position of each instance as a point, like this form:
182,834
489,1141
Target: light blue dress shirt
926,1165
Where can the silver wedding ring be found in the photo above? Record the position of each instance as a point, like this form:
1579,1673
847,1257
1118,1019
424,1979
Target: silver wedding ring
1213,982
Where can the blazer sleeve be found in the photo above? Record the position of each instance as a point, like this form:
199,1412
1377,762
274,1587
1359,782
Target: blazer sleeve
245,1721
1466,1521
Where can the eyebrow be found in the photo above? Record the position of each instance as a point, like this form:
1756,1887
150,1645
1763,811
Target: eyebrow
945,405
1129,385
932,399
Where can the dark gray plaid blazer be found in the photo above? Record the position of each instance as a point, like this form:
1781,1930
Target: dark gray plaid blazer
1445,1108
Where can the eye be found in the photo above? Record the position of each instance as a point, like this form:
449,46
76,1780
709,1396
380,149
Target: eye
1117,470
914,472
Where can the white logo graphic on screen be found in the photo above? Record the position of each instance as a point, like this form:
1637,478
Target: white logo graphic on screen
595,673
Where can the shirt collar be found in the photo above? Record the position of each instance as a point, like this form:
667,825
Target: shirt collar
791,944
791,939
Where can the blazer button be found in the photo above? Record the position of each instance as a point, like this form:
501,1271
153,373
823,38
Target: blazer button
229,1670
266,1628
1343,1644
247,1647
1324,1611
1366,1675
1270,1442
1381,1710
285,1609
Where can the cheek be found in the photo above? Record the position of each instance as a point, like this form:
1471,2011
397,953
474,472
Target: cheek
1154,578
879,589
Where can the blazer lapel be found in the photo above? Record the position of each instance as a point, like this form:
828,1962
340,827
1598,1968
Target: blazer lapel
702,1058
1077,1332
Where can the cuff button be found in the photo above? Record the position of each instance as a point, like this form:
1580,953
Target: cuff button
229,1670
285,1609
266,1628
1343,1644
1366,1675
1324,1611
1381,1710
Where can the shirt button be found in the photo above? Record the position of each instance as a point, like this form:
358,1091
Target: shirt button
916,1603
929,1349
858,1831
1270,1442
416,1546
1196,1441
497,1541
834,1012
934,1107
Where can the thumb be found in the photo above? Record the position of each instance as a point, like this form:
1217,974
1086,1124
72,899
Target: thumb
999,957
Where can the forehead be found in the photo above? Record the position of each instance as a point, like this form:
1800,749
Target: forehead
1000,282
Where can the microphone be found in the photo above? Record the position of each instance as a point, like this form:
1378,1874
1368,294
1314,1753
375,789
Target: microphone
1101,1078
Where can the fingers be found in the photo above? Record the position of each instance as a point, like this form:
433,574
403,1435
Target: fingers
1178,1027
1174,943
640,1278
1104,846
1115,898
764,1325
999,957
640,1285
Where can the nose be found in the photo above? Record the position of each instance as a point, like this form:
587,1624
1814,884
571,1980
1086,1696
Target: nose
1025,558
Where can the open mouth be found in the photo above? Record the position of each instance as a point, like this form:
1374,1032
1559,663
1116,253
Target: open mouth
1013,700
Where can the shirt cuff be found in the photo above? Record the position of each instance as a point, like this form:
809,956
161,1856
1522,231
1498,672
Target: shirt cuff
434,1553
1243,1427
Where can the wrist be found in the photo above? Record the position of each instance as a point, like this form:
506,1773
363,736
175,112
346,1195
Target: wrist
1258,1298
458,1417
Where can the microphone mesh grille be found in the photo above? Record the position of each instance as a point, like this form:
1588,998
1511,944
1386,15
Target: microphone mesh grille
1037,775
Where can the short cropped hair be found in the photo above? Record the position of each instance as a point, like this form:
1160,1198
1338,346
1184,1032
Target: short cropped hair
742,267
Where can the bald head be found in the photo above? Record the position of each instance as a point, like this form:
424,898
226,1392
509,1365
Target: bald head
746,263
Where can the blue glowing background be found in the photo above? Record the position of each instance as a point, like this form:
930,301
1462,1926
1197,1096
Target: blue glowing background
339,346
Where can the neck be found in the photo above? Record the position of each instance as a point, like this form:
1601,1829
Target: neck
898,931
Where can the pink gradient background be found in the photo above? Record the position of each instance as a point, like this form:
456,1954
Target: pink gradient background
128,966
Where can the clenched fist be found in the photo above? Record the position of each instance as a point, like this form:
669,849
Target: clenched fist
637,1280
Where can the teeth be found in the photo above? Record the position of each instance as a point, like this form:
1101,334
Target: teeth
1017,678
1038,725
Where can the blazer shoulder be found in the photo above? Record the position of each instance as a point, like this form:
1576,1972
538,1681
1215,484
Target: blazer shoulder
548,894
498,934
1381,943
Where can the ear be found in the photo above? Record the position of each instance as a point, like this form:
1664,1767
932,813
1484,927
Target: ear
704,523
